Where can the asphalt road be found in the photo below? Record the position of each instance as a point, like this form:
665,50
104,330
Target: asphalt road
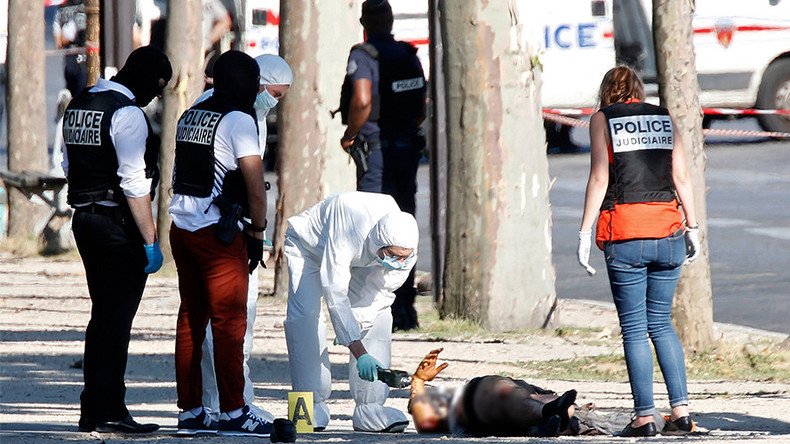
748,205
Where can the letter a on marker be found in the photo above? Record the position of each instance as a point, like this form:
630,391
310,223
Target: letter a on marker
300,411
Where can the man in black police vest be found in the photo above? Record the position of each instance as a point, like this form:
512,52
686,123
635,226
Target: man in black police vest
217,180
383,103
111,162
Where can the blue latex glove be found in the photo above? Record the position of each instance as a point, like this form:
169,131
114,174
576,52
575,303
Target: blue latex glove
368,366
154,256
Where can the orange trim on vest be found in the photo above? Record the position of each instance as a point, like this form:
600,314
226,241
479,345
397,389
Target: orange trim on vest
646,220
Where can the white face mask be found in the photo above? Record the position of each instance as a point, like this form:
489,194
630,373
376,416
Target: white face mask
391,263
264,101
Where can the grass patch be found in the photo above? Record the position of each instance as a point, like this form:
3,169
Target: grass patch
766,363
455,329
21,248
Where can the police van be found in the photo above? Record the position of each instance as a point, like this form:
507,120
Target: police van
742,51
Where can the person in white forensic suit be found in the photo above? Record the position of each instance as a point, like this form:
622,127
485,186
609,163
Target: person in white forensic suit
353,249
276,78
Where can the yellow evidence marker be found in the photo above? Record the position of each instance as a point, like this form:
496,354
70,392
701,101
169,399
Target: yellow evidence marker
300,411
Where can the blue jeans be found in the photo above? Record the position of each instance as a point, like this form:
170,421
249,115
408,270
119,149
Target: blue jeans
643,274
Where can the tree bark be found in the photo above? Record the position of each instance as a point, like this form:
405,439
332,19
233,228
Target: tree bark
27,131
679,91
498,262
315,38
185,51
92,40
438,153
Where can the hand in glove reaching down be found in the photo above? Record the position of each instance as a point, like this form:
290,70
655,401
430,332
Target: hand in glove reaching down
583,253
154,255
254,251
693,246
368,366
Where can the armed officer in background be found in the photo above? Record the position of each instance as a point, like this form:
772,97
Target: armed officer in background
111,163
218,179
383,103
68,30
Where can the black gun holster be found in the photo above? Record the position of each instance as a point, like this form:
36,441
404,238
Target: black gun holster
230,214
359,152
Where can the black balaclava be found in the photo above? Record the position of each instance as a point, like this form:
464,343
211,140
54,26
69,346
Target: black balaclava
236,81
142,71
377,17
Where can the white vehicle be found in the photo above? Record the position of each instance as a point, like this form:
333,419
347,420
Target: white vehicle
262,21
742,49
261,28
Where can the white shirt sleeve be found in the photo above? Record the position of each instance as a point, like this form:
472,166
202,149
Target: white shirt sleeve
336,276
129,131
243,135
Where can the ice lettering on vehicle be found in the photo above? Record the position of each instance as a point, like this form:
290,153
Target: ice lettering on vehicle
633,133
562,35
82,127
407,84
197,126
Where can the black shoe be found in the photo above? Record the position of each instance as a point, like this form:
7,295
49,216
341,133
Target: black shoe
560,407
681,426
550,428
648,429
283,430
86,425
125,425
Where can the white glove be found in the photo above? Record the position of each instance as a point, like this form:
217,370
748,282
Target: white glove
69,31
692,245
583,252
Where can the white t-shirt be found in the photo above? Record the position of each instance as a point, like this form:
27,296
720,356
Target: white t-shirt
260,115
236,138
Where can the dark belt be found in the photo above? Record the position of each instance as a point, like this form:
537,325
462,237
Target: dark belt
119,214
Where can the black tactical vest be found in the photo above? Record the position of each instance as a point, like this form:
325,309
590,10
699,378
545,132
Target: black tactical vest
195,164
400,100
642,139
93,163
401,85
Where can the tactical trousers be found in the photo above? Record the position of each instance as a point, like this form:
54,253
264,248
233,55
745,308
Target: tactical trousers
401,160
112,253
212,283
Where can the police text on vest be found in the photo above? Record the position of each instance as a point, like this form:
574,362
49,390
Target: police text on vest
645,132
82,127
197,126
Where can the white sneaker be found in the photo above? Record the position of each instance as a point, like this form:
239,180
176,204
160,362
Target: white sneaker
245,425
261,413
189,424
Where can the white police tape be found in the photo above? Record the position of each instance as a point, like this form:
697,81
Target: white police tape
706,111
569,121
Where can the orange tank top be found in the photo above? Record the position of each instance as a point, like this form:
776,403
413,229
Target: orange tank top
648,220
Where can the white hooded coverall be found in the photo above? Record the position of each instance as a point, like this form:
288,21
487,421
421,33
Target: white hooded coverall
274,71
332,250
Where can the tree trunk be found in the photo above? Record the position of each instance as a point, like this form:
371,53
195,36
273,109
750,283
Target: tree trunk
498,262
27,130
92,39
185,51
679,91
315,38
438,154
